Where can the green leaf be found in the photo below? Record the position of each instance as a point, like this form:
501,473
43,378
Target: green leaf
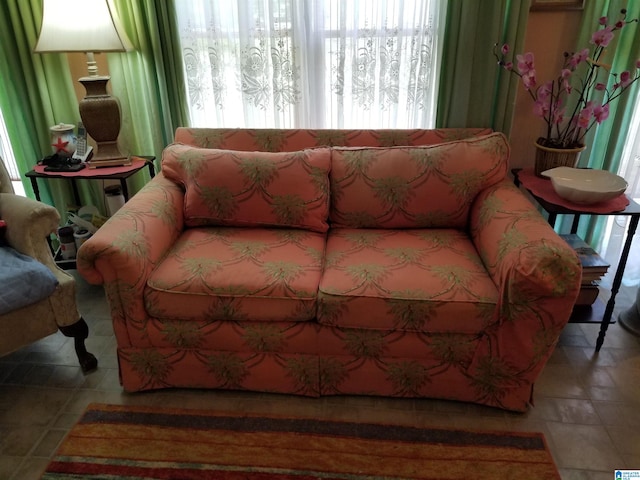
185,335
453,349
392,191
368,273
289,209
332,374
465,184
263,338
219,200
164,211
408,377
358,161
132,243
228,369
331,137
359,219
200,266
405,254
259,171
411,314
304,371
283,272
150,364
365,343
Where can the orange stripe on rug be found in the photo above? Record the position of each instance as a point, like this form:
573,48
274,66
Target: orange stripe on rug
143,442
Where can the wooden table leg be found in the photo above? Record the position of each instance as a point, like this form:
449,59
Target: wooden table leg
617,281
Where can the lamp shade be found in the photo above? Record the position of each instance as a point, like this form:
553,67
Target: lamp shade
80,26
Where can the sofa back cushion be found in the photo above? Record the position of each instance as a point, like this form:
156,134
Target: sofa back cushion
237,188
414,187
289,140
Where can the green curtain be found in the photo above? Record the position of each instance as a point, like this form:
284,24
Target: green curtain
149,80
474,91
606,143
36,92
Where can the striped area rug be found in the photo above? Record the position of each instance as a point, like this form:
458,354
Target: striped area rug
140,442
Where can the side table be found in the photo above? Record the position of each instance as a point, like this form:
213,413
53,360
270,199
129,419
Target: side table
553,210
104,173
121,173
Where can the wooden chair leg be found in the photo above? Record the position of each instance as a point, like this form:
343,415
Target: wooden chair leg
80,331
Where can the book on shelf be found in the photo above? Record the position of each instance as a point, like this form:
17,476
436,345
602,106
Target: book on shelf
592,263
588,277
588,294
594,267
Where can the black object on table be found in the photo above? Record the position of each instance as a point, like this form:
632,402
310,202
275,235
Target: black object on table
586,314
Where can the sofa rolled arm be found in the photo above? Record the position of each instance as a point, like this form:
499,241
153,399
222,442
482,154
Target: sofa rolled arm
125,250
518,246
538,277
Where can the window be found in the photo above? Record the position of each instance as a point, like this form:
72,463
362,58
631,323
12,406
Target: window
6,153
311,63
616,226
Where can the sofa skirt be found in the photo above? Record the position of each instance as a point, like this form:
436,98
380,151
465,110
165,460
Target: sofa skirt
338,361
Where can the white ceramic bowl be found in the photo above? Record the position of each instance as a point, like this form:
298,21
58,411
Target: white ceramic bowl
585,186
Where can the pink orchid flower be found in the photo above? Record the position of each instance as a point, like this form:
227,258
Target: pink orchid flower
558,115
529,79
600,86
540,108
602,20
525,63
577,58
585,115
602,37
625,78
545,90
601,113
505,49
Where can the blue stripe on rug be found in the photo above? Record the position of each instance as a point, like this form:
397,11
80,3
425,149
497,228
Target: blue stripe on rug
345,429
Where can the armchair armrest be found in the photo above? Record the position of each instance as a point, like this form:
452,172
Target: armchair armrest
126,249
29,223
537,274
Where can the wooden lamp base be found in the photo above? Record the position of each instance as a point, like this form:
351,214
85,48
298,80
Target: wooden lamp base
100,113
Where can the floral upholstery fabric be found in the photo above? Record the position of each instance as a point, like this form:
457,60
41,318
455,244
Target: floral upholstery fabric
225,187
238,274
468,313
413,187
423,280
291,140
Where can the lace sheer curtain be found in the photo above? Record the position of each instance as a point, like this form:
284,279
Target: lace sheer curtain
311,63
616,226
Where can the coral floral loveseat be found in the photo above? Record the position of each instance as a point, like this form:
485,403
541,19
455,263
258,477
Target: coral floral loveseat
323,262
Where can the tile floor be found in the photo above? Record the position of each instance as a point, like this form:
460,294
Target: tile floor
587,405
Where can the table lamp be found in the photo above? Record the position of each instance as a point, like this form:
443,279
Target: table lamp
89,26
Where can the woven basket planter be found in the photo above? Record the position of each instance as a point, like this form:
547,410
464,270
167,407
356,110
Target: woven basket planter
547,157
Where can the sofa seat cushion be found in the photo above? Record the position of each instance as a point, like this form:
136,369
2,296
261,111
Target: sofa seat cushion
421,280
251,189
414,186
258,274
